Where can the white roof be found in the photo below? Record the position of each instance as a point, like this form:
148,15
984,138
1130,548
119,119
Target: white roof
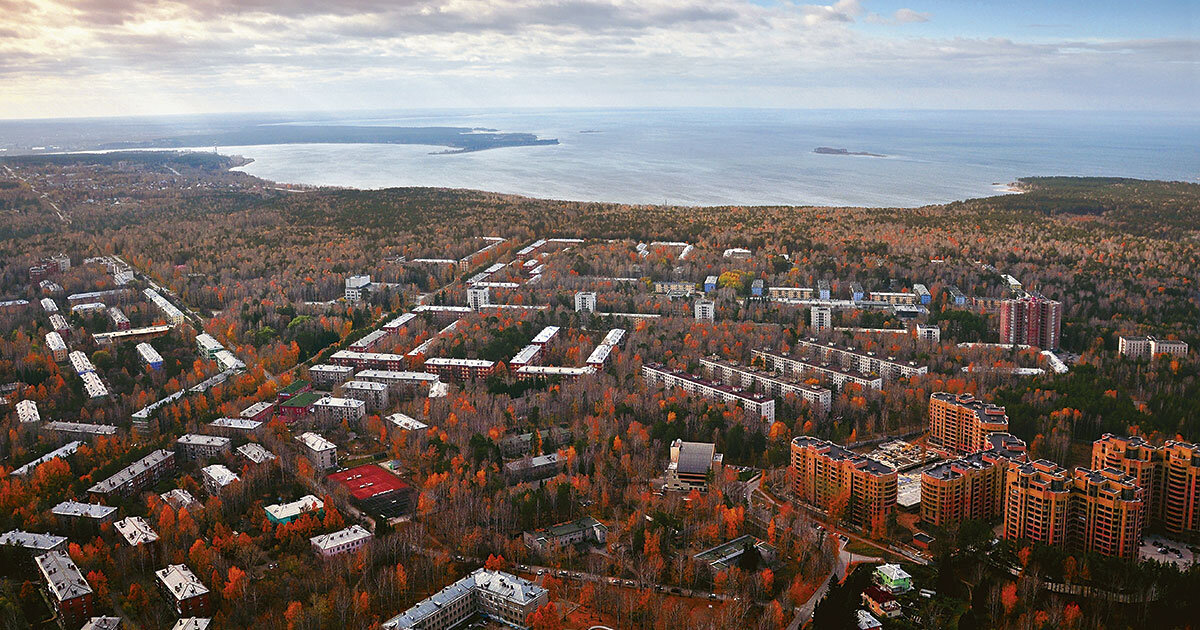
239,424
351,355
58,322
102,623
331,401
208,342
180,581
369,385
390,375
340,537
93,385
192,623
599,354
149,354
614,337
63,451
194,439
126,474
255,409
316,442
556,370
135,530
27,411
81,427
55,342
546,335
400,321
892,572
306,503
408,423
30,540
82,510
80,362
220,474
63,579
462,362
527,354
178,498
49,305
255,453
333,369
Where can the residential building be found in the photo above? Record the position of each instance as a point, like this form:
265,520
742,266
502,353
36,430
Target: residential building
406,423
375,490
547,440
494,594
705,310
866,362
299,406
824,290
342,541
842,483
1107,512
27,412
70,593
80,362
710,284
208,346
183,589
321,452
102,623
526,356
692,465
834,375
1037,497
1169,476
36,544
141,474
80,430
1031,320
928,332
357,287
774,384
258,412
856,291
754,403
865,620
133,334
227,361
375,395
459,369
585,301
790,293
533,469
200,447
150,356
727,554
63,451
922,293
330,411
93,387
375,338
288,512
327,376
216,477
586,529
526,372
233,426
255,453
544,336
192,623
58,324
295,389
1142,347
136,531
682,288
961,423
118,318
179,499
892,578
881,602
479,297
820,318
56,346
74,511
893,297
49,305
399,382
971,487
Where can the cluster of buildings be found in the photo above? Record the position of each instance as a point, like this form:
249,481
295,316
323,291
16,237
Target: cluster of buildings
841,482
754,403
774,384
484,593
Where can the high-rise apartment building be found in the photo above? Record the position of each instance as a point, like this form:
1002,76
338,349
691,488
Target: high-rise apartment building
841,482
1031,320
971,487
962,423
820,318
1169,476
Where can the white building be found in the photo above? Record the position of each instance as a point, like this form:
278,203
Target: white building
27,411
398,381
93,386
192,623
356,287
929,332
255,453
375,395
497,595
819,399
136,531
706,310
90,511
216,477
229,426
585,301
330,411
195,446
49,305
479,297
342,541
173,315
820,318
327,376
208,346
226,360
57,347
182,585
754,403
150,356
406,423
63,451
321,452
1141,347
80,362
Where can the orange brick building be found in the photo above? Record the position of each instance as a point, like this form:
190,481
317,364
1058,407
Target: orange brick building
834,479
1169,476
961,423
971,487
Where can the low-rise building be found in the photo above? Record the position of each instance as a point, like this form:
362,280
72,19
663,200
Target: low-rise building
136,531
192,623
74,511
727,554
342,541
258,412
102,623
208,346
328,376
299,406
35,544
200,447
331,411
1141,347
405,422
255,453
27,412
586,529
141,474
63,451
216,477
93,386
834,375
183,589
494,594
533,469
320,452
233,426
118,318
70,592
692,465
81,430
179,499
459,369
80,362
893,579
357,287
375,395
368,360
375,490
56,346
150,356
288,512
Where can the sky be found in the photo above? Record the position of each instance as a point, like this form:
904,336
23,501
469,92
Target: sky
78,58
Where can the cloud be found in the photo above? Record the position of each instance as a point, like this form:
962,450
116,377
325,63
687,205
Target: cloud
901,16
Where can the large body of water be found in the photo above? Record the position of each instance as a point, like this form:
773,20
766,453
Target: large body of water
751,156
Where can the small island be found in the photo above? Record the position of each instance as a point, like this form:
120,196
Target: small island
833,151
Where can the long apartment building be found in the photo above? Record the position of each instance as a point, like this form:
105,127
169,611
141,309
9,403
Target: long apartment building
140,474
459,369
863,361
1141,347
1099,511
368,360
819,399
754,403
70,593
831,373
835,479
495,594
971,487
1169,476
961,423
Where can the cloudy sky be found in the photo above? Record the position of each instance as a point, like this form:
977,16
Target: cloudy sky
113,57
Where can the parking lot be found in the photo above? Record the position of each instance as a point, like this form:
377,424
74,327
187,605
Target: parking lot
1163,549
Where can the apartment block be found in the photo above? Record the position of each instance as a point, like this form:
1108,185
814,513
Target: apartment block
326,376
834,375
756,404
479,297
1169,476
321,452
136,531
150,356
820,318
774,384
35,544
1107,511
216,477
184,590
375,395
288,512
357,287
199,447
1031,320
56,346
971,487
368,360
70,592
1037,497
399,382
330,411
960,423
141,474
342,541
27,412
705,310
842,483
862,361
585,302
1142,347
459,369
500,596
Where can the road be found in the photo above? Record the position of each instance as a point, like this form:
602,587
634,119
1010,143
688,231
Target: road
61,217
